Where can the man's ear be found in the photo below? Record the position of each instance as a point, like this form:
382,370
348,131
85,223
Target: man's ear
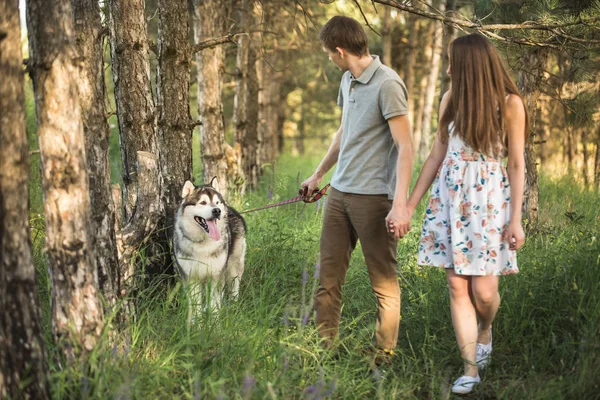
214,183
188,188
341,52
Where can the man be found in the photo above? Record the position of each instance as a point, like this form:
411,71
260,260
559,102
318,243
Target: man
374,155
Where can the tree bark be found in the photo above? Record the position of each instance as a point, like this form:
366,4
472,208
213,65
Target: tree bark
409,67
246,96
174,121
529,78
133,93
269,99
448,36
386,35
76,307
23,364
584,143
432,80
210,21
90,39
597,161
426,32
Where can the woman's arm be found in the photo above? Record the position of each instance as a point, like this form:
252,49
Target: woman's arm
515,126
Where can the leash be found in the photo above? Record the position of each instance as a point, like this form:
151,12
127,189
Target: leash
316,196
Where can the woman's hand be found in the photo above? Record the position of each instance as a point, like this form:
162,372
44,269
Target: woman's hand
398,221
515,235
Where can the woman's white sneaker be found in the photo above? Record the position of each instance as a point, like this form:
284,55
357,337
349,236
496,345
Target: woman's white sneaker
484,353
465,384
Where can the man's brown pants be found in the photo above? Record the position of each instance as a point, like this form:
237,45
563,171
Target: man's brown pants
348,218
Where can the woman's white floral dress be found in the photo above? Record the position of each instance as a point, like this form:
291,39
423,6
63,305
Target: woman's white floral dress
468,214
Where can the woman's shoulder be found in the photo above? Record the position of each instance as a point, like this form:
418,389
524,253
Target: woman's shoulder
514,105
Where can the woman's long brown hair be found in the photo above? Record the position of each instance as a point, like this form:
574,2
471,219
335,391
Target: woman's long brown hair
480,85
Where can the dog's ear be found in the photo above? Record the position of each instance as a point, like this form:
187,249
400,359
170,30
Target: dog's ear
214,183
187,189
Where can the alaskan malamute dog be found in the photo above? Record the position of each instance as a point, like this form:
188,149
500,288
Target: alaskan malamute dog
209,243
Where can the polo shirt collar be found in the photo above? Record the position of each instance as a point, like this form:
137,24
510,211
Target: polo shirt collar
368,73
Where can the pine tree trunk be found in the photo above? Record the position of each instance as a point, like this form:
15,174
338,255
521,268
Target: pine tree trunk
137,130
529,79
409,65
76,307
597,160
584,143
426,32
133,93
172,92
246,95
449,34
23,365
90,39
432,80
210,18
386,34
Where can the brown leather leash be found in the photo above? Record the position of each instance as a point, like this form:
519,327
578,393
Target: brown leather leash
316,196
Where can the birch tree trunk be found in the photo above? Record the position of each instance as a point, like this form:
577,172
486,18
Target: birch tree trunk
597,161
90,40
133,93
174,121
210,18
23,365
76,307
432,80
528,81
245,117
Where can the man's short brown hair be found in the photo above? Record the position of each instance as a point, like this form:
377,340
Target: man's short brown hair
345,32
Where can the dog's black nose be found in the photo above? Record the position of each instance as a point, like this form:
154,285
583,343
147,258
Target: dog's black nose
216,212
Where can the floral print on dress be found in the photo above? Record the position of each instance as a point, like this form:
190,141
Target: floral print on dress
468,214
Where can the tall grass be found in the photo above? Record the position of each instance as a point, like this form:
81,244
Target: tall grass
265,346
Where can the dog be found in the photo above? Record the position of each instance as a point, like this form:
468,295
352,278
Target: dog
209,243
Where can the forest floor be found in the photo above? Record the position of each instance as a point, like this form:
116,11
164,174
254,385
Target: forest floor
265,345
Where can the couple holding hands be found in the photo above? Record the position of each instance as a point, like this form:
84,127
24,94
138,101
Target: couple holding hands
472,224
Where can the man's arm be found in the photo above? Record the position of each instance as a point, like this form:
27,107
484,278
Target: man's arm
310,185
398,220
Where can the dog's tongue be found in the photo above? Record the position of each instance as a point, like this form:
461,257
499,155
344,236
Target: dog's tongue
213,231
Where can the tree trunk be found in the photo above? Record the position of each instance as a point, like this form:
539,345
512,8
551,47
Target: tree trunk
386,34
210,18
529,78
137,130
246,95
432,80
584,143
23,365
301,126
90,39
173,93
449,34
597,160
426,32
409,66
76,307
133,93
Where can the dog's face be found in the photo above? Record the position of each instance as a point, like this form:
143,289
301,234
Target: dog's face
202,210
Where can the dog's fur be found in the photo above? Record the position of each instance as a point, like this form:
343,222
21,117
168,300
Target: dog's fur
209,242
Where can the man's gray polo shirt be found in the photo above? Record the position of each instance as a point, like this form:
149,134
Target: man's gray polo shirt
368,155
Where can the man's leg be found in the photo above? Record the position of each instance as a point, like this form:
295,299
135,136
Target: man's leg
338,239
367,213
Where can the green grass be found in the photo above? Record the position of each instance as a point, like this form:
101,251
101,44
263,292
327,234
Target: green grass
546,342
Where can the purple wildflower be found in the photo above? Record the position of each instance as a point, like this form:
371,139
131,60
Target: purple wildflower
249,383
317,270
269,194
305,319
304,276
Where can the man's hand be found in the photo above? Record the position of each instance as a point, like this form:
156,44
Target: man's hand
398,221
309,186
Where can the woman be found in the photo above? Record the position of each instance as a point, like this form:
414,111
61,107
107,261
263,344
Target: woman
472,225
